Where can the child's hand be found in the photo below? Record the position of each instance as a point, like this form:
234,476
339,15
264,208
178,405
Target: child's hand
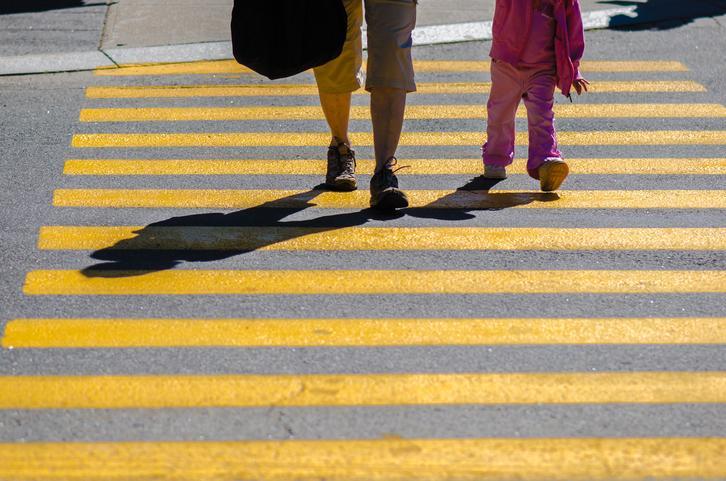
580,85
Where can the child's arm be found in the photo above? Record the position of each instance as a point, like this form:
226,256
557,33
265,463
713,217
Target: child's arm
576,37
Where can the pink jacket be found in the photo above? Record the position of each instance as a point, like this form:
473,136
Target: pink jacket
512,24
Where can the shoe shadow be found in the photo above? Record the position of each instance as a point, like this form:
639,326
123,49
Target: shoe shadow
475,196
215,236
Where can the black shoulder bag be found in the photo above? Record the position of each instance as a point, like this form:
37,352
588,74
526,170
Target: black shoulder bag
281,38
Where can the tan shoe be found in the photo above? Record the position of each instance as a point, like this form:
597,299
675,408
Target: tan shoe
341,168
552,173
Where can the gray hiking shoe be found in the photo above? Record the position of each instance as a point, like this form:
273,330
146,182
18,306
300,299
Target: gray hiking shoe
385,194
341,168
495,172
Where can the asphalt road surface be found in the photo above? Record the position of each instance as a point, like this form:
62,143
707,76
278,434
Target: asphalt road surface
181,300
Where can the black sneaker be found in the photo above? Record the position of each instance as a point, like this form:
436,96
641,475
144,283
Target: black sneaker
341,168
385,194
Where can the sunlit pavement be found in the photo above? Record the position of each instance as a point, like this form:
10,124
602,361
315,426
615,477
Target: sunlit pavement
183,300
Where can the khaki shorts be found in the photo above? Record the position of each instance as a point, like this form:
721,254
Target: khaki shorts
390,23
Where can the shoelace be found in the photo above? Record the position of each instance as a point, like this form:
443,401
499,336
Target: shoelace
392,162
347,161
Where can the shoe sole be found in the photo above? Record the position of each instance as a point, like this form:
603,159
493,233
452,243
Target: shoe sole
390,200
552,174
345,185
495,177
341,185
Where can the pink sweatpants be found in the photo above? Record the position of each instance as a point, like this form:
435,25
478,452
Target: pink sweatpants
536,86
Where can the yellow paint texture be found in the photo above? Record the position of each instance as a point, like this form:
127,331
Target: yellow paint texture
183,391
232,67
501,459
433,199
413,112
377,238
652,166
131,333
312,139
426,88
338,282
184,68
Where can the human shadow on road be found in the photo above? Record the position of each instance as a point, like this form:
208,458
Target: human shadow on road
474,196
216,236
664,14
30,6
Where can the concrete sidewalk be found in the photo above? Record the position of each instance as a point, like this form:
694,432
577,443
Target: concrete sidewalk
65,35
145,23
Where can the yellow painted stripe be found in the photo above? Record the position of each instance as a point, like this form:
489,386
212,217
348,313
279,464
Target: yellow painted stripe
129,333
254,90
586,66
378,238
232,67
120,392
184,68
312,139
334,282
654,166
434,199
413,112
501,459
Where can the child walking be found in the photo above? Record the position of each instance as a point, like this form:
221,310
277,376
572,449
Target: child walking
537,46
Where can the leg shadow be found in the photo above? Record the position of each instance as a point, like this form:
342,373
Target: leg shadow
216,236
475,196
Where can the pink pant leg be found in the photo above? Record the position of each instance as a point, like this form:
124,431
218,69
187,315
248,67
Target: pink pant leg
506,92
539,100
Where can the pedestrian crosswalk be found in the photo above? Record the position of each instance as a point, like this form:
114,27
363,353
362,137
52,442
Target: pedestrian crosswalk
337,282
395,458
311,139
423,88
446,111
185,391
146,133
150,332
602,166
431,199
471,66
377,238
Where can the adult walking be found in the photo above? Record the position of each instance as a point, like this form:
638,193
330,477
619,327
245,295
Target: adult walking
389,78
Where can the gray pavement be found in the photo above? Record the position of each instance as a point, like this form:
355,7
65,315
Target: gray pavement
36,27
315,423
40,114
74,35
146,23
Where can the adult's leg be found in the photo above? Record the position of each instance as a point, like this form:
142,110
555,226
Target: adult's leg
388,107
390,71
336,81
504,98
336,107
338,78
